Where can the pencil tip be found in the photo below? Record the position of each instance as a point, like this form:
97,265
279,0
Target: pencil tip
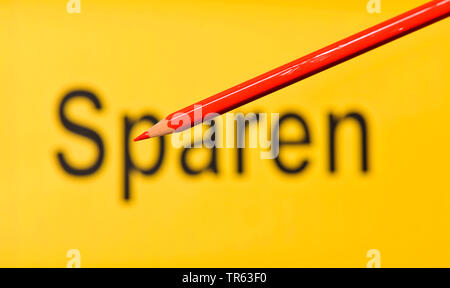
159,129
143,136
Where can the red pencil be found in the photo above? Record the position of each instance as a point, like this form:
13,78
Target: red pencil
301,68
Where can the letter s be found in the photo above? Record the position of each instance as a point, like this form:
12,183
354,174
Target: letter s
83,131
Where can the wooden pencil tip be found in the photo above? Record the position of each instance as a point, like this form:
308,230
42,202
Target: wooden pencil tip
159,129
143,136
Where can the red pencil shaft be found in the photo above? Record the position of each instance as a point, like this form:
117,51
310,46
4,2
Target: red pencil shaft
310,64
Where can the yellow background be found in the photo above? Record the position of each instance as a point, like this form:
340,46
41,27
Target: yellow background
157,56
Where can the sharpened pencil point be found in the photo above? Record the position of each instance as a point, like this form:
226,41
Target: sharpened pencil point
143,136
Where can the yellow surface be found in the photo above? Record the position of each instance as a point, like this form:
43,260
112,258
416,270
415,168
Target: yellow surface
135,55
